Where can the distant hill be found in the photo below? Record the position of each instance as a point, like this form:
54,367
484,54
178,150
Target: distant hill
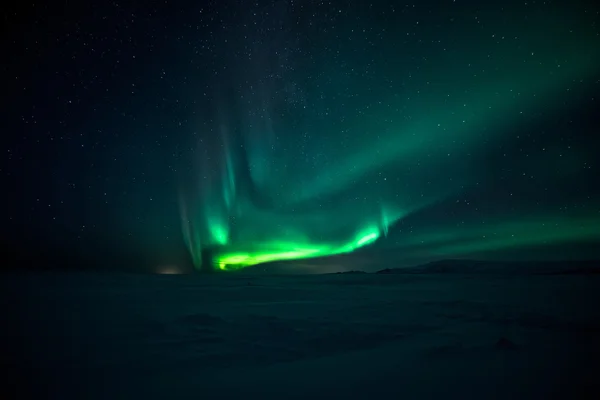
350,273
499,267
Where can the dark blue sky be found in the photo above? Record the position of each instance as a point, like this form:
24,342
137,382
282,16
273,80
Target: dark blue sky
472,125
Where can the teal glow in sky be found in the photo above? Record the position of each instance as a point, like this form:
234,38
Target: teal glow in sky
436,130
151,136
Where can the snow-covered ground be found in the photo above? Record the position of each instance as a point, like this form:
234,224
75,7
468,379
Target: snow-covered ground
94,336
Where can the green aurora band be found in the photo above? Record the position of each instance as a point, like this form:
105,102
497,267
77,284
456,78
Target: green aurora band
265,192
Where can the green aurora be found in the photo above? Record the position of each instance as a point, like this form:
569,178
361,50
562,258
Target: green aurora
322,161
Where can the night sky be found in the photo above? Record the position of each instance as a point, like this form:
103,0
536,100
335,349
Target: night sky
136,134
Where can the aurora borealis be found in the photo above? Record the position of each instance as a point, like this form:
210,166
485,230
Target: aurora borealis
300,199
293,129
320,150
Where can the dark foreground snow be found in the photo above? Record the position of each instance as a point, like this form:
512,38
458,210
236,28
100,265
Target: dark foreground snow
334,336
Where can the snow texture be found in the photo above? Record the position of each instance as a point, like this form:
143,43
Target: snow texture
410,336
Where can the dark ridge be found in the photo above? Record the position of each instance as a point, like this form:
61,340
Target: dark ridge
350,273
500,267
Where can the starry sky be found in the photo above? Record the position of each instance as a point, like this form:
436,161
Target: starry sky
137,134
